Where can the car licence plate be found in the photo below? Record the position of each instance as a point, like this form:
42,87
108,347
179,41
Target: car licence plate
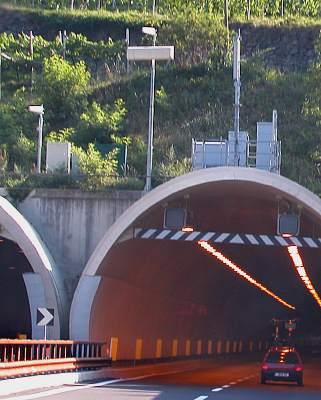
281,374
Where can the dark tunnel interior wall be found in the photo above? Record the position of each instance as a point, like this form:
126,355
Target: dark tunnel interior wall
175,291
14,309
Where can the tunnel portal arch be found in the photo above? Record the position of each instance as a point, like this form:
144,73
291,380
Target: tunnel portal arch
42,282
90,281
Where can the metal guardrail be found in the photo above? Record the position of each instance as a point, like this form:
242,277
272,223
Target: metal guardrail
30,357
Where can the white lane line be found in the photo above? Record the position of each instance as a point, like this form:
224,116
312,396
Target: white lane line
233,383
201,398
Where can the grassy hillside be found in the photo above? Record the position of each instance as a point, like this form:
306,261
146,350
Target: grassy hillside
194,95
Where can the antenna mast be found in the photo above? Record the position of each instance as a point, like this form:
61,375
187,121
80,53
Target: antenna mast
237,88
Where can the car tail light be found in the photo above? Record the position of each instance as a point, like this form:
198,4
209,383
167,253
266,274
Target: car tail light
298,368
265,367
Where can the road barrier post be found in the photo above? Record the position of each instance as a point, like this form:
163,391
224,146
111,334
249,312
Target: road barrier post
209,347
159,344
187,347
199,347
139,349
113,348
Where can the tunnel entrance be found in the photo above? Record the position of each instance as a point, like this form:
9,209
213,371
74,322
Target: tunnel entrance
15,316
173,290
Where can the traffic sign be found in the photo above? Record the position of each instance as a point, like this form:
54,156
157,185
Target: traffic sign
45,316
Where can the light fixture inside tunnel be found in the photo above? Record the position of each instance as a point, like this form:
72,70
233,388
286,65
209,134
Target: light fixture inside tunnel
298,264
288,223
174,218
187,229
219,256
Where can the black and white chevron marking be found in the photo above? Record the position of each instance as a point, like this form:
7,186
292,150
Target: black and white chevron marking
231,238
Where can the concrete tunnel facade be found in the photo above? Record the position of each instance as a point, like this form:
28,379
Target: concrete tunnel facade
174,290
29,278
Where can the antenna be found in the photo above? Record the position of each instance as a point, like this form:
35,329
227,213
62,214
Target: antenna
237,88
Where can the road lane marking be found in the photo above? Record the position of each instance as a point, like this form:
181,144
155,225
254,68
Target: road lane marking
201,398
219,389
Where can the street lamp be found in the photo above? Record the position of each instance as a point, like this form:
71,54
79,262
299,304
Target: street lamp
38,110
150,53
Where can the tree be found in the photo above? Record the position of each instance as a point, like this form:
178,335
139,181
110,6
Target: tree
171,166
64,91
9,131
99,124
99,171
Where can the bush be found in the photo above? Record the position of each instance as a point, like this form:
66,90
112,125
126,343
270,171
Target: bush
64,89
98,172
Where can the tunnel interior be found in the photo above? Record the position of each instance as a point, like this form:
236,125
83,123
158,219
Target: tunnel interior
14,311
163,289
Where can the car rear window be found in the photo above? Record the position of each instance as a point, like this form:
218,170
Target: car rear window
282,357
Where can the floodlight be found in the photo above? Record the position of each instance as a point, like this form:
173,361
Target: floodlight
39,110
148,30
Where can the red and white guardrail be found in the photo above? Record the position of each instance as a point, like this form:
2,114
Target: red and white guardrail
30,357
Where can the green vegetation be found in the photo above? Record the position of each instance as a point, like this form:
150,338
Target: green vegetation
90,100
259,8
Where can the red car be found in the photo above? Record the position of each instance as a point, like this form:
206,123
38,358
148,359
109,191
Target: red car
282,364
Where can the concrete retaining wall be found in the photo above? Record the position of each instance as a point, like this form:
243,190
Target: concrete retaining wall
72,222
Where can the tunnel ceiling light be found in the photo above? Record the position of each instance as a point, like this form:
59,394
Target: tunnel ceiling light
298,264
187,229
211,250
288,224
174,218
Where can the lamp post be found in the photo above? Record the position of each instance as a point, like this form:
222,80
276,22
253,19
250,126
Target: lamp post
150,53
38,110
151,32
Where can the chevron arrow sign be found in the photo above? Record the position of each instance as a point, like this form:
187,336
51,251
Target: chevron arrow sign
45,316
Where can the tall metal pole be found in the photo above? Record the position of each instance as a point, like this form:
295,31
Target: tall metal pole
127,43
31,37
149,166
226,12
237,95
64,41
40,128
154,7
248,9
0,74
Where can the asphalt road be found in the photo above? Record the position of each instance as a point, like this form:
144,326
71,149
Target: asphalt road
227,380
